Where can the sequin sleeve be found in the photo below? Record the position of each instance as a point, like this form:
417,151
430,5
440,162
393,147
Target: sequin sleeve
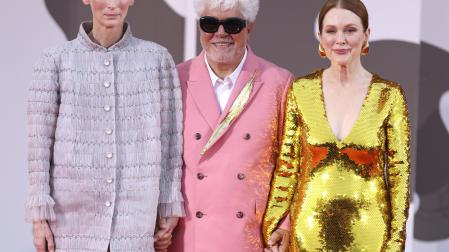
286,173
398,170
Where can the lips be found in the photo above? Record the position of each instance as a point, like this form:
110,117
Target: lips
222,44
111,15
341,51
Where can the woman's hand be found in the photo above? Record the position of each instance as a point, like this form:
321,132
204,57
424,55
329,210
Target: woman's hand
43,237
162,238
278,241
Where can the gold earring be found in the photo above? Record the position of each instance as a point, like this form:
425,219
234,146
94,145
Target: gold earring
365,49
321,51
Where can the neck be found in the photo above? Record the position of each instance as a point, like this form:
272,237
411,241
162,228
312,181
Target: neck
347,74
106,36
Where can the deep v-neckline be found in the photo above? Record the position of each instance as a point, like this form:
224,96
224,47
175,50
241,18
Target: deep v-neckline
361,110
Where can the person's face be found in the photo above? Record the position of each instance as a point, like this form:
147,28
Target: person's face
343,36
223,48
109,13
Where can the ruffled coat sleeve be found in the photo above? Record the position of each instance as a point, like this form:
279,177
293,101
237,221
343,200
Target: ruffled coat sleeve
170,199
43,107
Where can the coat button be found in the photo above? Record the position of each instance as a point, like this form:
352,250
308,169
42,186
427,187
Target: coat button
107,108
200,176
199,215
106,62
241,176
108,131
240,214
107,84
108,203
109,155
109,180
247,136
197,136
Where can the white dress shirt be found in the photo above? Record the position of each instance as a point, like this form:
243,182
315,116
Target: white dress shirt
224,87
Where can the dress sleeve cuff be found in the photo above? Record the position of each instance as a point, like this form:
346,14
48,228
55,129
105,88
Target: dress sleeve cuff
40,207
175,209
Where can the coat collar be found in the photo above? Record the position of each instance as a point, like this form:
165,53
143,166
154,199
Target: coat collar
86,28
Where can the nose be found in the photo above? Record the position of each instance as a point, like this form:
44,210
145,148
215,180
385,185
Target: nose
221,31
341,39
112,3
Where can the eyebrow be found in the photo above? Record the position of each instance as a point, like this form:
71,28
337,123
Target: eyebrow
348,25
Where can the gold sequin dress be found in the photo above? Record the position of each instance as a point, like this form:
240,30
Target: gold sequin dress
342,195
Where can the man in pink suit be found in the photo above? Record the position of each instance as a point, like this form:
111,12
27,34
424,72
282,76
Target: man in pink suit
233,108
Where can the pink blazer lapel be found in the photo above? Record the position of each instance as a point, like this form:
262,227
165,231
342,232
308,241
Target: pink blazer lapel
250,68
249,72
200,88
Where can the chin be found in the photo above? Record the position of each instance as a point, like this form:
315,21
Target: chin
341,60
112,23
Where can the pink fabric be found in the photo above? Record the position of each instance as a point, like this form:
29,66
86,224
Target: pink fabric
229,185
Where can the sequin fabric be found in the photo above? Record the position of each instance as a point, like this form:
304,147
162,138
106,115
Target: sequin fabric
342,195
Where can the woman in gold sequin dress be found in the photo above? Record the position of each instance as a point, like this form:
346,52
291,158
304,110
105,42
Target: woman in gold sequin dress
343,171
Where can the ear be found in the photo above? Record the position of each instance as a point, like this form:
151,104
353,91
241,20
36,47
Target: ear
131,2
318,35
250,27
86,2
367,34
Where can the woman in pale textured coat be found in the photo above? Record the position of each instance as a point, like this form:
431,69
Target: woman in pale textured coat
105,139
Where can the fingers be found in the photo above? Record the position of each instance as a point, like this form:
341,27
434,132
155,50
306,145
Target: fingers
163,243
278,241
284,243
43,237
50,240
162,234
275,238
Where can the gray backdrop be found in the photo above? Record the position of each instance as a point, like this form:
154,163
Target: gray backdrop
408,45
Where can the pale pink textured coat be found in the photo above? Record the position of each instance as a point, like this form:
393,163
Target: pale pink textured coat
226,189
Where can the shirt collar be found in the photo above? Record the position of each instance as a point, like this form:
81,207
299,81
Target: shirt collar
233,76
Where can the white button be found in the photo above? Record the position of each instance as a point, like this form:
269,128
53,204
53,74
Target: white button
107,108
109,180
109,155
107,62
107,203
108,132
107,84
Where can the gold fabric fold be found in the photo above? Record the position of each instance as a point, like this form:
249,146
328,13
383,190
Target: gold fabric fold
235,110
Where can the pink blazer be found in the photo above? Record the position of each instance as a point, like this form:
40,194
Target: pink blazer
226,188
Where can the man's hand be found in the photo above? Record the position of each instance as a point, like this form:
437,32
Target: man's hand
278,241
164,230
43,237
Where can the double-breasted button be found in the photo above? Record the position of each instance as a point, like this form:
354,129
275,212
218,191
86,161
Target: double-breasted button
106,84
241,176
109,155
197,136
106,62
107,108
200,176
108,131
240,214
199,214
247,136
108,203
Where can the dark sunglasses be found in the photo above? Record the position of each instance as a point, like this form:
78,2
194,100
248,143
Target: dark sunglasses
231,25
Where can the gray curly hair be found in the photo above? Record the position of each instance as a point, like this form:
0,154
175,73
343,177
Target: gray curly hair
249,8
